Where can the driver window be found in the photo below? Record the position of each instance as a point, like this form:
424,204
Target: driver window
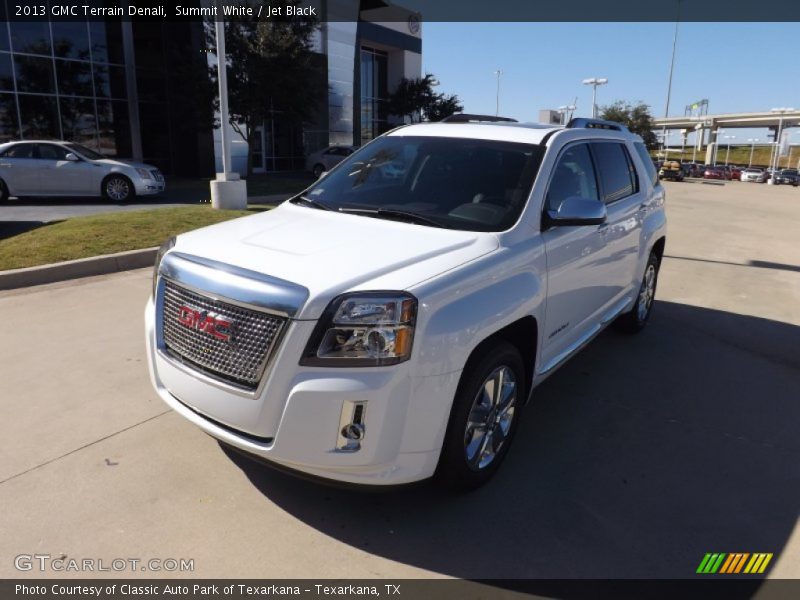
573,176
52,152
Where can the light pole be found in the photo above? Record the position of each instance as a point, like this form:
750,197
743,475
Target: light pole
728,151
498,72
752,147
774,161
564,111
594,82
672,65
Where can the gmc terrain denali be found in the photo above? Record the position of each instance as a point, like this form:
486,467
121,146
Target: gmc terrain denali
389,323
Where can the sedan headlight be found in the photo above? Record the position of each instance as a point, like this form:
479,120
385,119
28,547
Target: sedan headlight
165,247
144,173
364,329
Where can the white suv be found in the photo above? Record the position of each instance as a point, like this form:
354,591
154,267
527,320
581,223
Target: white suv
390,323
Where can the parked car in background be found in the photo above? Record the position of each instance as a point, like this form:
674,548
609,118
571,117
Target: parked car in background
736,173
324,160
714,172
787,177
753,175
671,170
56,168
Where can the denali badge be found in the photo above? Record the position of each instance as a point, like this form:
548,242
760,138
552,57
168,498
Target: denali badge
207,322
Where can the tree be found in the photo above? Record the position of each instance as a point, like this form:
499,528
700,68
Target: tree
636,117
415,98
271,68
443,106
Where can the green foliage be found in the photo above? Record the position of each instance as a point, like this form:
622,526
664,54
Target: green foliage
415,98
636,117
271,67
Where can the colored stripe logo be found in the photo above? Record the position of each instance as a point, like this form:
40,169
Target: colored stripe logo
734,563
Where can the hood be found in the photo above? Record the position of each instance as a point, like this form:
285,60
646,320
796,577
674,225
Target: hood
119,162
330,252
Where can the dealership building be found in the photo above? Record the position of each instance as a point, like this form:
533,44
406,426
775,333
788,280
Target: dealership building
136,88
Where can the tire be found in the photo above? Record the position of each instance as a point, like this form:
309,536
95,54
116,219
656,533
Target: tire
118,188
468,458
636,319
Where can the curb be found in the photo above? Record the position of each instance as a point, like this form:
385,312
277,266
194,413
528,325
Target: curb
73,269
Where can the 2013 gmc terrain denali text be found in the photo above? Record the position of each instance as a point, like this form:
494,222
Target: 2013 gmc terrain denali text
390,323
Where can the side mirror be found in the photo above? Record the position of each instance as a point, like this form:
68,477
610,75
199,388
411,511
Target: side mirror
71,157
577,211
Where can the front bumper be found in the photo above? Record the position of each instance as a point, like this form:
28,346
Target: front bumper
294,418
148,187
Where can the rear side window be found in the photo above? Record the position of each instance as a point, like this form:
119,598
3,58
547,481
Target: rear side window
649,167
19,151
615,171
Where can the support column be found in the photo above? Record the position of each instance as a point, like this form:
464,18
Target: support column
133,94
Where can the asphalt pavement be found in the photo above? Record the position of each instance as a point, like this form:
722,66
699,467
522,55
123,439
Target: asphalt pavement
634,460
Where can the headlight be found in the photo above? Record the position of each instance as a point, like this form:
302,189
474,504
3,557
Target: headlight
144,173
364,329
165,247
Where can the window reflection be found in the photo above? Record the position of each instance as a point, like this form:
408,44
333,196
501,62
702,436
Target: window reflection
3,29
32,37
114,128
6,74
78,122
9,123
74,77
109,81
106,41
34,74
39,116
71,39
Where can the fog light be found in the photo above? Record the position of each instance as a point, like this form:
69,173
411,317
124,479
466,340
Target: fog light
351,426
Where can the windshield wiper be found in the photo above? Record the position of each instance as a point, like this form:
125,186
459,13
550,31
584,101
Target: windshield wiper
306,201
411,217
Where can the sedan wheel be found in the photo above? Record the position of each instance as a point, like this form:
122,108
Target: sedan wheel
117,189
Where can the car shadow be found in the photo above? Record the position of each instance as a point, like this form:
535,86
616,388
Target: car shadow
9,229
635,459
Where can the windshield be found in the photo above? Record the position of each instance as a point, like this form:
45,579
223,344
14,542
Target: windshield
474,185
84,151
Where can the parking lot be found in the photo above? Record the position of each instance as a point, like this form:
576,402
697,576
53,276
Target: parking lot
634,460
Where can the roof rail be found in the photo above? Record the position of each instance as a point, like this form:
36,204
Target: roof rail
584,123
467,118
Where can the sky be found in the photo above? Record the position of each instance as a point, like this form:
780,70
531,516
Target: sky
737,66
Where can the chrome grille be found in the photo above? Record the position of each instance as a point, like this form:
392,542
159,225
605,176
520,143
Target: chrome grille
241,360
157,175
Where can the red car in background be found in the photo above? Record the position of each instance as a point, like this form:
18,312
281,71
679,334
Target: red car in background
736,173
716,173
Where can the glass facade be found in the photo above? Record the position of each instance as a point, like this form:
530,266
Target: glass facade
69,80
64,80
374,93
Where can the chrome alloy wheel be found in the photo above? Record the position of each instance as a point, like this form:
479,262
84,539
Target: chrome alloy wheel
490,418
647,292
117,189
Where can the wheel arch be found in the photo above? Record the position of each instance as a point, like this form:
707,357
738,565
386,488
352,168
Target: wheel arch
522,334
659,246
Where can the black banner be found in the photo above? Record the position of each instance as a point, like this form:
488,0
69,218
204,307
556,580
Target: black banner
417,10
731,588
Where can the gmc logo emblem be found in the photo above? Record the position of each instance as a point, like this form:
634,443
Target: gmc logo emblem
207,322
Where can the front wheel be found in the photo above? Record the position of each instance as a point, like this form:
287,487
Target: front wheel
118,188
636,319
484,417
